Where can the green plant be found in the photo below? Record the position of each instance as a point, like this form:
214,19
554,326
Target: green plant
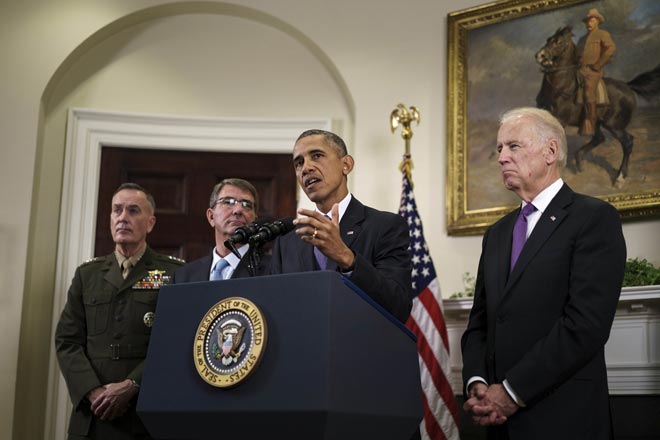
640,273
468,287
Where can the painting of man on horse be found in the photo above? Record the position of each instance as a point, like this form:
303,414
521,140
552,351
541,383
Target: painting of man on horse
552,59
570,89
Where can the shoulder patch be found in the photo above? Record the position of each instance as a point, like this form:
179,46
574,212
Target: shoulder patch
92,260
178,260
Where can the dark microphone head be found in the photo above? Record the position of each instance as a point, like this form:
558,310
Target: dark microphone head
242,234
269,231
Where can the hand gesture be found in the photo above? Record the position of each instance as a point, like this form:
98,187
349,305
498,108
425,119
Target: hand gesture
322,232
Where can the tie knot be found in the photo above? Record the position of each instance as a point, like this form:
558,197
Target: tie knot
216,273
528,209
126,267
221,264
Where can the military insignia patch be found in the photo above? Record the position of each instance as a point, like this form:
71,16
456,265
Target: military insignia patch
148,319
154,281
229,342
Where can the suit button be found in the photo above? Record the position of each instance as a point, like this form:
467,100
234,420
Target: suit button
118,318
122,301
117,335
501,319
93,300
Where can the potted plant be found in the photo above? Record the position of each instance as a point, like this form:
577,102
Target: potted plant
640,273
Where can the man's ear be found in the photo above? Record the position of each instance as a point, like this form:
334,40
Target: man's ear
347,164
210,217
151,224
551,153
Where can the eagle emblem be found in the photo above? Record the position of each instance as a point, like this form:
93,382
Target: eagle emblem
229,341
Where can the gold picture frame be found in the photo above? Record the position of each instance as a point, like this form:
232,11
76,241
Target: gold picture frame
504,35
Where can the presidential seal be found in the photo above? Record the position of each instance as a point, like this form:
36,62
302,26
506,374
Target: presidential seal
229,342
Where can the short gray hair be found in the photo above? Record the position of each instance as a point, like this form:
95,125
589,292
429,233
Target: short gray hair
238,183
136,187
546,126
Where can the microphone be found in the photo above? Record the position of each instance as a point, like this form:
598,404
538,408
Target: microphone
242,235
268,231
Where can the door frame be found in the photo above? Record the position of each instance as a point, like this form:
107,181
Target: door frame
88,131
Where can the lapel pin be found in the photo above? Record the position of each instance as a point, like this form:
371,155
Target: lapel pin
349,233
553,218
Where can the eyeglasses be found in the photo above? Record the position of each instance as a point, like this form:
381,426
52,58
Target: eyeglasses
230,202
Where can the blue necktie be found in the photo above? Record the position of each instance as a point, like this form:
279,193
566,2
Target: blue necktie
216,273
520,233
321,259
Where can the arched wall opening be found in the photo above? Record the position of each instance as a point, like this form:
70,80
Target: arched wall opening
191,59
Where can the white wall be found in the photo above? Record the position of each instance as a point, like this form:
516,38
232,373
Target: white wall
350,60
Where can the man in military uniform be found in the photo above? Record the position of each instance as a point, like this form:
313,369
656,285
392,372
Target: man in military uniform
102,337
596,50
234,204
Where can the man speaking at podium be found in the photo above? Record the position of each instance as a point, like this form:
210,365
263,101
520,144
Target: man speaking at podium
234,204
368,246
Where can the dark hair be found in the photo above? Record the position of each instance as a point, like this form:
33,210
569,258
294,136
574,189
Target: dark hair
330,138
135,186
238,183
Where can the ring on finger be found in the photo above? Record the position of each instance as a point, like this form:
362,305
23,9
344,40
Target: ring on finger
314,234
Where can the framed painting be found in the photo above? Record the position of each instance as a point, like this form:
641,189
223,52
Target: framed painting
496,62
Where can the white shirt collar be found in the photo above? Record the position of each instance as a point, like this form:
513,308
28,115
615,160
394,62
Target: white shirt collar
343,206
543,199
541,202
232,259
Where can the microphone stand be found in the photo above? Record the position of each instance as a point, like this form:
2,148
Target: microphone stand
253,256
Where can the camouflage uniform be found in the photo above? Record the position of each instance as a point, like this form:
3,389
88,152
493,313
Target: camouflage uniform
103,334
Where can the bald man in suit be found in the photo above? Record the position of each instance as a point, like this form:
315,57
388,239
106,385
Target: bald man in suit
533,352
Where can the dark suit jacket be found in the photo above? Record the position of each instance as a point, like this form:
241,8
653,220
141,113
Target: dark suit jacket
382,263
199,270
103,309
544,326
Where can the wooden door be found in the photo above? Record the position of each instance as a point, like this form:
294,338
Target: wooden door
181,183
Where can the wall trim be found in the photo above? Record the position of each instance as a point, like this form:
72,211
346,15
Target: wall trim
632,352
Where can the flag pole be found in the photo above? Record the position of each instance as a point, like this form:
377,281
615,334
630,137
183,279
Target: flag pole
404,117
426,320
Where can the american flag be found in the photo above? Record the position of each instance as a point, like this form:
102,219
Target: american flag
427,322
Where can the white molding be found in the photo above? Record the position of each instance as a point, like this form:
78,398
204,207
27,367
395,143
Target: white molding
632,368
637,379
88,131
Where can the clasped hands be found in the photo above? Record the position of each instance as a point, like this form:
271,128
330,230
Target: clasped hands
489,405
322,232
111,400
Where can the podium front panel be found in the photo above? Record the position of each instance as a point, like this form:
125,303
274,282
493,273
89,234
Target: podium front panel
333,366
